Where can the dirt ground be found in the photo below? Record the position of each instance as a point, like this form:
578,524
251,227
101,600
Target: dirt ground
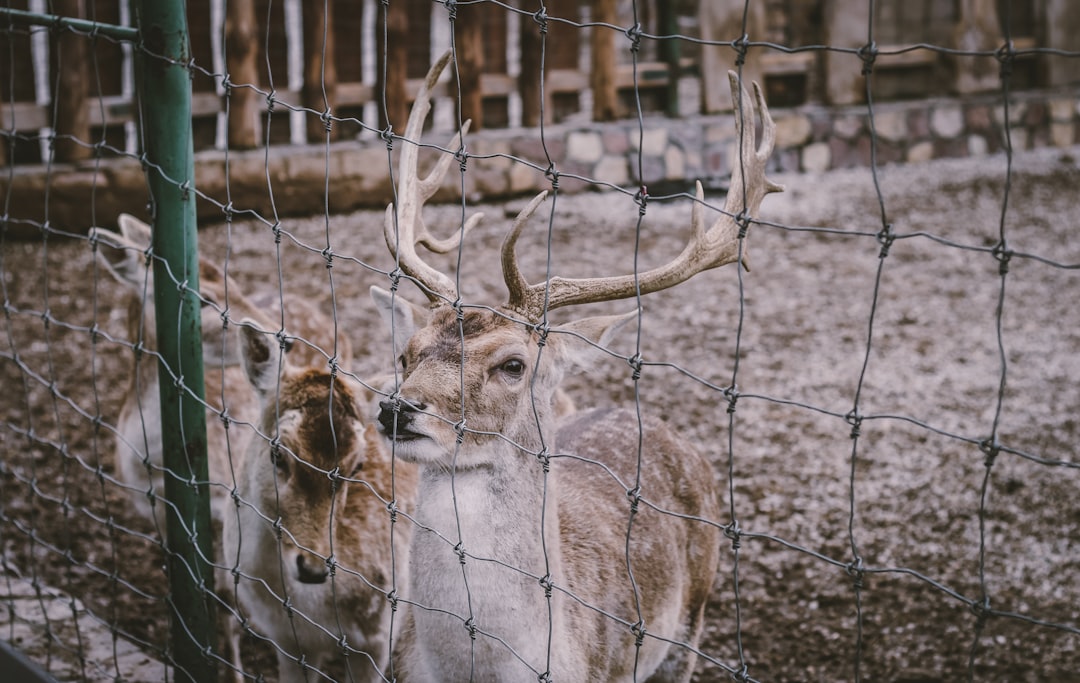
954,375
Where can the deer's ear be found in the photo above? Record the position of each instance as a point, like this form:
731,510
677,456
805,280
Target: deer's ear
585,335
122,253
599,330
402,317
261,357
135,230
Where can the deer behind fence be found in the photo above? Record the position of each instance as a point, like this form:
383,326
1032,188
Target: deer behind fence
570,548
312,538
137,458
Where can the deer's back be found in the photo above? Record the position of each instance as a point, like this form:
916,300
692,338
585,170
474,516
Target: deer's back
674,475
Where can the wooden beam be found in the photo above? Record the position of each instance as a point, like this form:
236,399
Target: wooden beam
469,27
784,64
529,83
603,76
319,91
393,69
670,50
241,54
70,55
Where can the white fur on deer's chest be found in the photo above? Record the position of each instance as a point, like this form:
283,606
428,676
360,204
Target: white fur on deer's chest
494,518
501,599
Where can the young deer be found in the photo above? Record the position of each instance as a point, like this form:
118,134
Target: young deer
561,549
138,456
138,426
314,529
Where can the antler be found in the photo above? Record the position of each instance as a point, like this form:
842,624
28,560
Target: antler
405,229
712,248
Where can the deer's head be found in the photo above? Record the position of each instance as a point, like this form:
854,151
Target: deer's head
311,440
127,256
481,375
485,376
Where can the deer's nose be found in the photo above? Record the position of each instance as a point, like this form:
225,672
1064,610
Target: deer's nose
395,417
310,569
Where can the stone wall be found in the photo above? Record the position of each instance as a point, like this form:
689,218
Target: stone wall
671,154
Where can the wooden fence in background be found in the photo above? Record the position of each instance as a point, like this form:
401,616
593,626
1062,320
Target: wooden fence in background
355,62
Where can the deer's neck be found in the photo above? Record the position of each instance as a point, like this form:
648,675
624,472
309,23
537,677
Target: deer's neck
489,505
497,513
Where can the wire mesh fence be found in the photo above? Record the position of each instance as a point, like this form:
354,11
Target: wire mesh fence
887,400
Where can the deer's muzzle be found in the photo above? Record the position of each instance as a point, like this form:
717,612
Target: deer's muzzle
311,570
396,418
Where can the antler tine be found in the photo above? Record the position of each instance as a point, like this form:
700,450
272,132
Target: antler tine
707,249
405,229
522,296
744,198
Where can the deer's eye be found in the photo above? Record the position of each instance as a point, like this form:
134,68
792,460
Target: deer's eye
513,368
280,457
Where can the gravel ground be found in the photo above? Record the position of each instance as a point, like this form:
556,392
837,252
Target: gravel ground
858,558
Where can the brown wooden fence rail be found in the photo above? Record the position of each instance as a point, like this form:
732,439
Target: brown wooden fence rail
322,59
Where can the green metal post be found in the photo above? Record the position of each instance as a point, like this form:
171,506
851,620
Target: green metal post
165,97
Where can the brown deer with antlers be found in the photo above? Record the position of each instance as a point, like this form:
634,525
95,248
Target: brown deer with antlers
568,549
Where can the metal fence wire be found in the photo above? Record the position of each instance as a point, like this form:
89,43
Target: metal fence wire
886,401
